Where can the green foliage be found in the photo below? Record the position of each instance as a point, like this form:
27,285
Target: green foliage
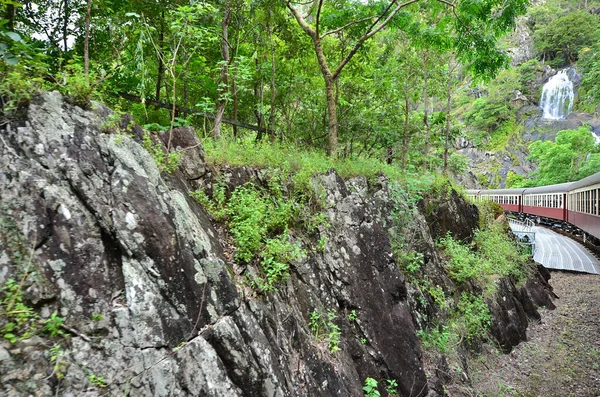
278,253
463,265
74,83
96,381
589,91
324,328
215,205
514,180
322,244
438,338
391,387
352,315
166,162
438,296
411,261
259,221
18,321
490,111
370,388
572,156
302,165
59,365
97,317
52,326
17,86
491,255
561,40
474,317
458,163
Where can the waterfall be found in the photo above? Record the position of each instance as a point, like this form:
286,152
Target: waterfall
557,96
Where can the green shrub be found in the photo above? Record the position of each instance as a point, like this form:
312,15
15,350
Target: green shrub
438,338
17,86
463,265
166,162
324,328
74,83
473,317
370,388
52,326
18,321
259,221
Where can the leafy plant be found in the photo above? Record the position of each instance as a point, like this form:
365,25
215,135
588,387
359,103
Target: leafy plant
322,244
17,319
462,264
352,315
436,338
96,381
17,86
97,317
324,327
475,317
215,205
166,162
53,325
76,84
58,364
392,387
370,388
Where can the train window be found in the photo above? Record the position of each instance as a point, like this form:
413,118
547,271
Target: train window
587,202
560,201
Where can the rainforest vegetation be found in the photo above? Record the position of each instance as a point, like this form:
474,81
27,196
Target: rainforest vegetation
390,82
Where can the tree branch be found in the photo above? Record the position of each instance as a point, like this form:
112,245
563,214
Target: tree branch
371,32
346,26
318,17
301,21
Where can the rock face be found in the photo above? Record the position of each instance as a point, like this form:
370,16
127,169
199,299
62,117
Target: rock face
136,270
522,40
94,232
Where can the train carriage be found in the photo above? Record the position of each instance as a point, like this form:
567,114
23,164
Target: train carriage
577,203
584,204
509,199
547,201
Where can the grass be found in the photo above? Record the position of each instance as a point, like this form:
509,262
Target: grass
302,164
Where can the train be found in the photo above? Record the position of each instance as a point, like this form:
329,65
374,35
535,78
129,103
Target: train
562,205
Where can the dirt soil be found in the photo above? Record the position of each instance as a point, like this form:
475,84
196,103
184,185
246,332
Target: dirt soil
562,355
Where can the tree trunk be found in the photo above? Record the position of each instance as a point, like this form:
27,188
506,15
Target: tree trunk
65,27
161,67
10,17
86,42
235,103
405,137
426,110
448,100
223,84
273,90
332,126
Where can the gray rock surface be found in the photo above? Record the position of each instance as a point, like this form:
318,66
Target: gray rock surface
151,302
137,271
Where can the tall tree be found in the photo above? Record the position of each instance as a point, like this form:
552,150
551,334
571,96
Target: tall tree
476,28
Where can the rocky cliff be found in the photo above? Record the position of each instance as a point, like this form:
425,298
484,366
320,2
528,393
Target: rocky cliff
125,288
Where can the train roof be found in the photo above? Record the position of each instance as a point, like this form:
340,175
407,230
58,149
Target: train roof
558,188
502,191
590,180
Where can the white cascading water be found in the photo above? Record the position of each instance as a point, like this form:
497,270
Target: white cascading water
557,96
